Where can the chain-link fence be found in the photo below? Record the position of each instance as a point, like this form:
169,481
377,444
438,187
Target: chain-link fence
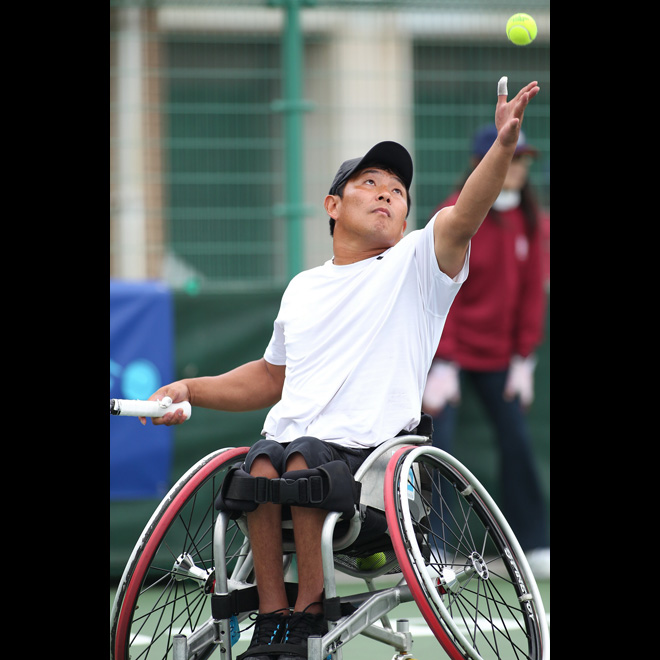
229,119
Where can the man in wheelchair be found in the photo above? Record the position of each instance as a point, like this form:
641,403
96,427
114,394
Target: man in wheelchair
346,366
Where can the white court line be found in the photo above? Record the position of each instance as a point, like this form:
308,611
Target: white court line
419,627
143,640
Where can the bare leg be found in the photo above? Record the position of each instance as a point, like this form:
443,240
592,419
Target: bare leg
307,528
265,530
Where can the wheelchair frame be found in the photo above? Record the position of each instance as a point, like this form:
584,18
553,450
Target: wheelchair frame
453,594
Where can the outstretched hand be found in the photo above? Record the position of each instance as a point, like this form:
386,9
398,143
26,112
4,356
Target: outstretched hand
509,114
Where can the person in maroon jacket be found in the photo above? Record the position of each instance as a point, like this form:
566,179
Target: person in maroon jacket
492,331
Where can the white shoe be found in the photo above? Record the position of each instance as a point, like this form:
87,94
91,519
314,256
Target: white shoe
539,562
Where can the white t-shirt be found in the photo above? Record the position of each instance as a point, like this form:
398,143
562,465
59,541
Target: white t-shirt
358,342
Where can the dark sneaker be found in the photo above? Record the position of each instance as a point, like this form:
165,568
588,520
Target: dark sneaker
299,627
268,630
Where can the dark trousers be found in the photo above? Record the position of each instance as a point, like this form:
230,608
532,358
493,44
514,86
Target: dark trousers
520,497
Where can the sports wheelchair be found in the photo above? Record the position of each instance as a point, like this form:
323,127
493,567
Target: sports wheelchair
422,517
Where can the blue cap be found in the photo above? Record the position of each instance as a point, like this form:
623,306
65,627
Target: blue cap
485,136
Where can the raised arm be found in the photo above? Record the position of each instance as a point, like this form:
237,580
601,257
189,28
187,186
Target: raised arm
456,225
251,386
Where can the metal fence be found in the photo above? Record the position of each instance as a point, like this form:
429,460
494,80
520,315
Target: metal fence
228,120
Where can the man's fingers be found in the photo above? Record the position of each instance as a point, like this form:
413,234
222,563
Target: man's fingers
528,92
502,87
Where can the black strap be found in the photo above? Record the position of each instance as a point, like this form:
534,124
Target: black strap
285,490
224,606
242,491
275,650
302,490
425,427
330,486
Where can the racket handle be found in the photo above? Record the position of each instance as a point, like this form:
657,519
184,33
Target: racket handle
136,408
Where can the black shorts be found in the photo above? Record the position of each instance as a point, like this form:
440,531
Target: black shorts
314,451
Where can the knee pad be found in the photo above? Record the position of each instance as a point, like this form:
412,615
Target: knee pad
330,486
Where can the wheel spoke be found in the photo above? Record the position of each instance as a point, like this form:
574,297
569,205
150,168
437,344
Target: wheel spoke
470,594
174,571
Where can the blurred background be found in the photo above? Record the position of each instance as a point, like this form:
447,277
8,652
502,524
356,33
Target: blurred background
228,120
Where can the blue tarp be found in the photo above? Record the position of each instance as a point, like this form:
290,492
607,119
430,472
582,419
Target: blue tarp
141,360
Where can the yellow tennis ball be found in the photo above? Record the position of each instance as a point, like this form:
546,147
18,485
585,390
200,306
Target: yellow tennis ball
521,29
371,563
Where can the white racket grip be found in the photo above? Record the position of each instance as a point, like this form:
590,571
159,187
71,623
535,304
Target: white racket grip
137,408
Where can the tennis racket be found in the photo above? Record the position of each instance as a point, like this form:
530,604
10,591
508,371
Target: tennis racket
137,408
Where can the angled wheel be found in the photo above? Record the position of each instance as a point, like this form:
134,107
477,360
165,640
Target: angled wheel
462,562
168,581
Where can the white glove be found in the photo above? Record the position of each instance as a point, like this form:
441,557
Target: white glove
442,387
520,381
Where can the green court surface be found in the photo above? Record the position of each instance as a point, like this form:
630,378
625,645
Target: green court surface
425,646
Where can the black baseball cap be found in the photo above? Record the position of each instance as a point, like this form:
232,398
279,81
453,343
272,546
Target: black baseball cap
388,154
